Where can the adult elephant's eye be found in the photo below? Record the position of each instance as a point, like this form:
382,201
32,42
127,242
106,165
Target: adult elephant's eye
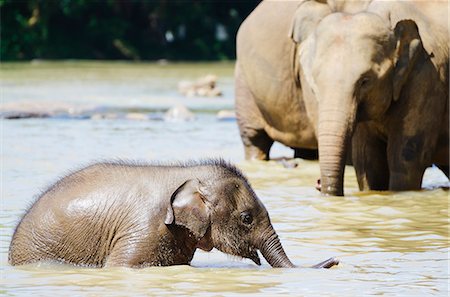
365,81
246,218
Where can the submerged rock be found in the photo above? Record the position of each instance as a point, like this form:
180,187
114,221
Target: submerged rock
43,109
67,111
22,115
289,164
136,116
179,113
105,116
226,115
204,87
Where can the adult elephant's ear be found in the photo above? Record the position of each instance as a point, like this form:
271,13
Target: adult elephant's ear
188,209
408,49
306,18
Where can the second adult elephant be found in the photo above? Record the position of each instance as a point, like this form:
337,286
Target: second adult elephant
380,76
372,74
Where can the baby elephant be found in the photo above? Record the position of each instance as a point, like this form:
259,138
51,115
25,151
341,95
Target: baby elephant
138,215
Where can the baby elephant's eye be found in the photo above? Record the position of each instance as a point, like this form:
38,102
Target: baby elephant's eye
246,218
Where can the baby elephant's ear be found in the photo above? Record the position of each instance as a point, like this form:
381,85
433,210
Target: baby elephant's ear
187,208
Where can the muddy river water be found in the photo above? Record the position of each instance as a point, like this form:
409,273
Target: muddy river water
394,244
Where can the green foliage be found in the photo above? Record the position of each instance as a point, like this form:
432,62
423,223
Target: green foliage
121,29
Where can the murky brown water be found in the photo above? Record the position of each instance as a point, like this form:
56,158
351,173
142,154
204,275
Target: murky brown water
393,244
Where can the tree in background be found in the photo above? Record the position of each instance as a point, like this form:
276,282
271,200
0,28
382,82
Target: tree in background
114,29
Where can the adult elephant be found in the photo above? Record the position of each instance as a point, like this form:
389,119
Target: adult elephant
381,75
269,102
270,105
349,73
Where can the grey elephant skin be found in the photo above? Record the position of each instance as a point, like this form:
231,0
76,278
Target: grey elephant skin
138,215
370,77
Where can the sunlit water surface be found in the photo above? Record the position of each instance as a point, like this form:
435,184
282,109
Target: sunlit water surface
393,244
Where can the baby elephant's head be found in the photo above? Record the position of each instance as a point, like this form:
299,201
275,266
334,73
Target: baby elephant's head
224,212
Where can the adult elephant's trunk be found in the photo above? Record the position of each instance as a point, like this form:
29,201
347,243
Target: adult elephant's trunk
272,250
334,132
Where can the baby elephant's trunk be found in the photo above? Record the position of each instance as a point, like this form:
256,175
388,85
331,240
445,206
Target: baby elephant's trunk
272,250
274,253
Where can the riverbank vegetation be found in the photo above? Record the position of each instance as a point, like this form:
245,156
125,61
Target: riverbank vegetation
118,29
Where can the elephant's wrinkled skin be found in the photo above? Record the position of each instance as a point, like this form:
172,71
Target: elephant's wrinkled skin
137,215
358,68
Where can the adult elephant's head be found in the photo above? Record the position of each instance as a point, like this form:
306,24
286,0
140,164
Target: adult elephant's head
354,66
226,214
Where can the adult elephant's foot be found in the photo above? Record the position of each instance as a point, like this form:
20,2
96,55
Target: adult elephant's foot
257,144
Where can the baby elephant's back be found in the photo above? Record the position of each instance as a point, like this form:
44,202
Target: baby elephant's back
80,218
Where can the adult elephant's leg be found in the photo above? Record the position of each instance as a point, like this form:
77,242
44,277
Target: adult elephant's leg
369,159
256,142
441,158
445,169
409,155
413,138
407,162
307,154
